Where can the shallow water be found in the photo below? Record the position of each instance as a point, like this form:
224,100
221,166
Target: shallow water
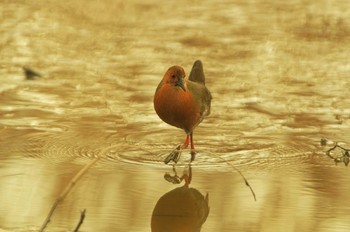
278,73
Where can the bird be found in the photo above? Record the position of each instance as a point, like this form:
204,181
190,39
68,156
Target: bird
183,102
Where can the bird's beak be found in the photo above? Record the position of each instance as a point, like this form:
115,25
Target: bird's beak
180,82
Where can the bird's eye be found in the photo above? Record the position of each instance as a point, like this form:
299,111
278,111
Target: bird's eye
173,76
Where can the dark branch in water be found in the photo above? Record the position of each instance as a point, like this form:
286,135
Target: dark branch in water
344,158
245,180
82,217
71,184
68,188
241,174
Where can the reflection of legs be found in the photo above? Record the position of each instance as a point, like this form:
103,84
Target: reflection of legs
175,179
187,176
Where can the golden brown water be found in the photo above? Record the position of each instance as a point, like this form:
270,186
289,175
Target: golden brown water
279,75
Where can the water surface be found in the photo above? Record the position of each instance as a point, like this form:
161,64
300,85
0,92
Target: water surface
279,76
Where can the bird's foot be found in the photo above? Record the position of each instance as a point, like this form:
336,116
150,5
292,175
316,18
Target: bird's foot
174,155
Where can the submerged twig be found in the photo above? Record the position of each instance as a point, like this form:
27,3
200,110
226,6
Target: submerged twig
69,187
67,190
82,217
245,180
241,174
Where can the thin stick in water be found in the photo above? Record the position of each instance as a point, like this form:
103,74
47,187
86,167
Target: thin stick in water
67,190
71,184
240,173
82,217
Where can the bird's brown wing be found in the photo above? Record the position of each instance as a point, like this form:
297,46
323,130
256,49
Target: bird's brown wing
197,74
202,96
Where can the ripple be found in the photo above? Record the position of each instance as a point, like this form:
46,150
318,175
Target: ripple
78,145
133,154
210,159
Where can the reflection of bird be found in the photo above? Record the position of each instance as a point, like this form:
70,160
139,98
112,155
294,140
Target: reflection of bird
183,209
30,73
183,102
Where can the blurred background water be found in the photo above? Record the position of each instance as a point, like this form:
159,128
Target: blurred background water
279,75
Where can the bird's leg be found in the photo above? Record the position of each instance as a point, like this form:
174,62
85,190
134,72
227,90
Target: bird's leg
193,151
186,143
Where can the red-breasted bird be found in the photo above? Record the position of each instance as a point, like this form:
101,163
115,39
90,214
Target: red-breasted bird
183,102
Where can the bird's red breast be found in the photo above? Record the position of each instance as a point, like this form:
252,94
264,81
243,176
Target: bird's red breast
181,102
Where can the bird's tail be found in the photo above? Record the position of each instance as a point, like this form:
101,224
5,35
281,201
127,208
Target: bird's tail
197,74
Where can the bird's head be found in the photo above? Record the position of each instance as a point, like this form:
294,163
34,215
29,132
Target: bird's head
175,76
